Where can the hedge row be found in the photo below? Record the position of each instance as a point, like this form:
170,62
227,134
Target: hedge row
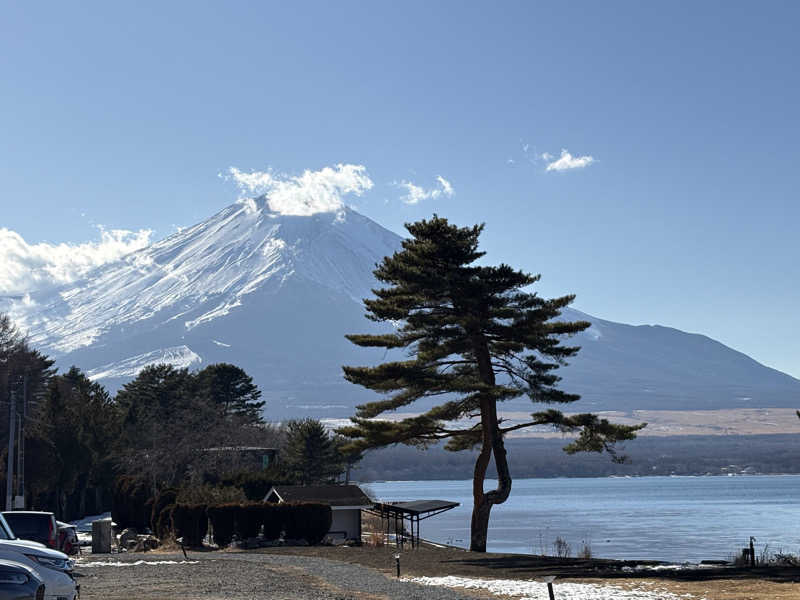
301,521
190,522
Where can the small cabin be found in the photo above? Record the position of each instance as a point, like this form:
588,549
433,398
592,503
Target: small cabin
346,502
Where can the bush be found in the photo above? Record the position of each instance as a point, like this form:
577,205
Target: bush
223,519
248,520
256,485
163,528
162,500
272,519
190,522
210,494
316,520
308,521
301,521
129,503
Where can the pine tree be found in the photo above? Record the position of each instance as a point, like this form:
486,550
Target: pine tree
229,387
311,455
474,338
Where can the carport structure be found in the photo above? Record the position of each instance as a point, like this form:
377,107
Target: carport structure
413,512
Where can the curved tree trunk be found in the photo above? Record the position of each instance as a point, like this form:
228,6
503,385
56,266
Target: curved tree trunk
492,446
484,501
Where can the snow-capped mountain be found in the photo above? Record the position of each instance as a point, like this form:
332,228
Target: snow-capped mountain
275,294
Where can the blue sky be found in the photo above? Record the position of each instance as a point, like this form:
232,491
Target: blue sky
123,115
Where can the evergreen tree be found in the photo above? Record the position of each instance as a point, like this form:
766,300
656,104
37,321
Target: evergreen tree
233,390
311,455
475,338
165,421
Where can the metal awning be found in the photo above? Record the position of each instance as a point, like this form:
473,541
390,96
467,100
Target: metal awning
412,511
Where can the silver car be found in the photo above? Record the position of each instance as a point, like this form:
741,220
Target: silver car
52,567
18,582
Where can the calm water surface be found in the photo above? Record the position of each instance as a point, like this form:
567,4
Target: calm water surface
663,518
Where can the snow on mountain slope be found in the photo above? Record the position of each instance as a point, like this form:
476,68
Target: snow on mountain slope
180,357
275,294
205,272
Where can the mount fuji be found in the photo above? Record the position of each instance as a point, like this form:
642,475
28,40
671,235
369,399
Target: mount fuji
275,294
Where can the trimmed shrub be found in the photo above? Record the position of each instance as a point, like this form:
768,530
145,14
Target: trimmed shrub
129,503
272,519
147,510
292,525
248,520
308,521
163,528
190,522
223,519
162,500
316,521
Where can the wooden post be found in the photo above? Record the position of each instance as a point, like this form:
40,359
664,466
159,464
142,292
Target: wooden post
752,553
101,536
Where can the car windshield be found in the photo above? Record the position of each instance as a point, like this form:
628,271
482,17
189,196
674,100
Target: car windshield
5,531
29,526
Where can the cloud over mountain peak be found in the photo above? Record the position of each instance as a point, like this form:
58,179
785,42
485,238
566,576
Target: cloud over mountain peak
302,195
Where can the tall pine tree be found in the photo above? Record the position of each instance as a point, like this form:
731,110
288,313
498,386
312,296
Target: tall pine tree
475,338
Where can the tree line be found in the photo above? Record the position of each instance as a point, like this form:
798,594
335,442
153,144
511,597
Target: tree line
169,428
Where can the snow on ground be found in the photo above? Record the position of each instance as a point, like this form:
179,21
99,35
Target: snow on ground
117,563
535,590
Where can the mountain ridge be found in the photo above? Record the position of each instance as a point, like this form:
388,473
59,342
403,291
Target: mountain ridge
275,294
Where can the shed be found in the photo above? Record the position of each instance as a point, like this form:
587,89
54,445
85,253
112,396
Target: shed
346,502
412,511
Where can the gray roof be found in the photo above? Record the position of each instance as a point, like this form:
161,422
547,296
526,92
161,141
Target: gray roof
418,507
335,495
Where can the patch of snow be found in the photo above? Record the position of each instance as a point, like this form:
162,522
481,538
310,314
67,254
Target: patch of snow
118,563
535,590
222,344
180,357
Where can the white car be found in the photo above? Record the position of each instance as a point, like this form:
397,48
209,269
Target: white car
54,568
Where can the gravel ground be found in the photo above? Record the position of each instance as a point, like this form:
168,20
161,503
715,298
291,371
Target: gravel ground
330,573
240,576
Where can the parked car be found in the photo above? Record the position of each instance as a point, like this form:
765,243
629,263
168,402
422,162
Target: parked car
18,582
68,538
54,568
36,526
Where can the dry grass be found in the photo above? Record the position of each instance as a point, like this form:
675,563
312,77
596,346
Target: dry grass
781,584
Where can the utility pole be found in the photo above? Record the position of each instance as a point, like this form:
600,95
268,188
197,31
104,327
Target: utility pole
12,426
20,503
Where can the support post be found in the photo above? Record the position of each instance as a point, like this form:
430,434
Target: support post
12,426
21,441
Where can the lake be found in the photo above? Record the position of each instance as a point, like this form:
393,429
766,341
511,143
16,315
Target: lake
664,518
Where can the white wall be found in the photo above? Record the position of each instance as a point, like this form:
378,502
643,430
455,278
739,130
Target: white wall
346,520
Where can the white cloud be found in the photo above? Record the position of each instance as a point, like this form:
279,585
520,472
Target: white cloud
566,161
306,194
28,267
415,193
447,187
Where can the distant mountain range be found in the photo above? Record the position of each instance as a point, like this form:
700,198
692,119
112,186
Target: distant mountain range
276,294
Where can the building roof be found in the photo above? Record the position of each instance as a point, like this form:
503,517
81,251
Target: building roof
417,507
335,495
